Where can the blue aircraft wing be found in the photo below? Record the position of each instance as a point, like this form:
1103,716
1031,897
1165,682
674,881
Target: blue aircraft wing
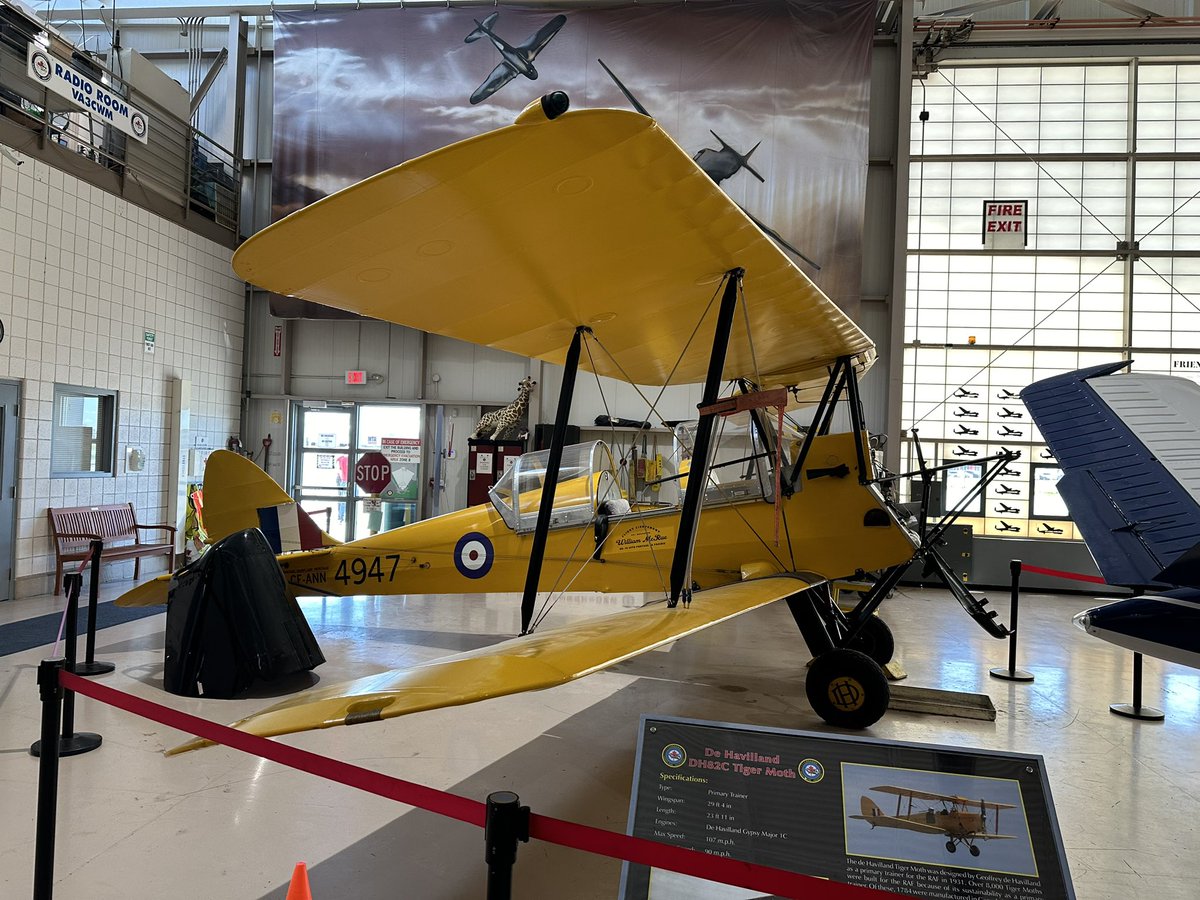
1127,479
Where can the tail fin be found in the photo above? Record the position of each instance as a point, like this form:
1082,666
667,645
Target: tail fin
238,495
481,28
869,809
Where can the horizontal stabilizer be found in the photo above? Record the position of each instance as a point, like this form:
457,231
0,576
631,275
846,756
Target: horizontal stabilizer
1131,470
549,657
481,28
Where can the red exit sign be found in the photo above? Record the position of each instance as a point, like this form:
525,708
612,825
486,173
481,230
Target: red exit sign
357,376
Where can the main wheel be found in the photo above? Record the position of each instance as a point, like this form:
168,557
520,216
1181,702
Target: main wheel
974,850
950,846
847,688
875,639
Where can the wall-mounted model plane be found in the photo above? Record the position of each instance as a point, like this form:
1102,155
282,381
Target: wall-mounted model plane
628,249
958,819
1127,445
514,59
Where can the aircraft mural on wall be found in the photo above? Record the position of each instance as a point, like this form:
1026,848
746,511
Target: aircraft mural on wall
514,59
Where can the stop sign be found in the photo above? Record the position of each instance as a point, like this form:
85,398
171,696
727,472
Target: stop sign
373,472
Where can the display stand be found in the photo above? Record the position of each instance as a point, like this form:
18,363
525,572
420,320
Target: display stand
1012,673
90,666
1135,710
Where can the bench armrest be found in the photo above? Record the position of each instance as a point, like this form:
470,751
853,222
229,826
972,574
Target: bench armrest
77,536
170,528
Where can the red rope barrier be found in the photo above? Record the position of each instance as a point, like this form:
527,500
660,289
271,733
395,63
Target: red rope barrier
544,828
1074,576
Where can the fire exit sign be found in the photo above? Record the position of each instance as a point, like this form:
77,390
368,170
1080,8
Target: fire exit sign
356,376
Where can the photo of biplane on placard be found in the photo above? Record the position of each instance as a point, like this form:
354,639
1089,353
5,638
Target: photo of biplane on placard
932,817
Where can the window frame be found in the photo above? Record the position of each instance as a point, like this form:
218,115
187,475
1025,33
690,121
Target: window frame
106,443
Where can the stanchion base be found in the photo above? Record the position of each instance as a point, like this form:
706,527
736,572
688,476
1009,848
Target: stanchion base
1011,674
95,667
1129,711
79,742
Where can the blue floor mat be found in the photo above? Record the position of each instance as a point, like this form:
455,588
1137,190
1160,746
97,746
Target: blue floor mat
42,630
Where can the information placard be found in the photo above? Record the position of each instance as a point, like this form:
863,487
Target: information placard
926,820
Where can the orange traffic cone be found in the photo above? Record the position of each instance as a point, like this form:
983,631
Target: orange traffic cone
298,889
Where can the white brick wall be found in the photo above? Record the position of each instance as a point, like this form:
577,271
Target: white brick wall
83,274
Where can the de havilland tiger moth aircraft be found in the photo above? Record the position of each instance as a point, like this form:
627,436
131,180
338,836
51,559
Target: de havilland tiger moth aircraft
590,239
959,819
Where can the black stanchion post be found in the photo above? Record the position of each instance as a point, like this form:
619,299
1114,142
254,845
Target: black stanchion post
507,822
1012,673
70,743
1135,710
47,799
89,666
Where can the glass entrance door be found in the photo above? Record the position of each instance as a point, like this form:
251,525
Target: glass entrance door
330,439
322,467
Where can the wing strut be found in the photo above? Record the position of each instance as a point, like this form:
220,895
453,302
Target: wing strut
542,529
681,565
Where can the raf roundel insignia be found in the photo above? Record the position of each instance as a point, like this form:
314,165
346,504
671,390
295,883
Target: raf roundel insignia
473,555
811,770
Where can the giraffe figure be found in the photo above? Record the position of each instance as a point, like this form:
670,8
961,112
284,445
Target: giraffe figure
501,424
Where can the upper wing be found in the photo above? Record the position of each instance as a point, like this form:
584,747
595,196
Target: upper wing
549,657
533,44
1131,473
949,798
501,75
514,238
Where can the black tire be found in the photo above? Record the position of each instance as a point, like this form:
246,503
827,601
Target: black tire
974,850
847,688
876,640
950,846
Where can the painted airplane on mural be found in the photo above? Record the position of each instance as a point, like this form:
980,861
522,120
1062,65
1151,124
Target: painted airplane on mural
1127,445
686,290
959,819
514,59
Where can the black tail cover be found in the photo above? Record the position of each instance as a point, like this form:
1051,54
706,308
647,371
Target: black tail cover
230,621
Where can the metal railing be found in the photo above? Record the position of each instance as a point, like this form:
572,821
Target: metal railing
178,163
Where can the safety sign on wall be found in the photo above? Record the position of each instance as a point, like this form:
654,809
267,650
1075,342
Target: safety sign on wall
1004,224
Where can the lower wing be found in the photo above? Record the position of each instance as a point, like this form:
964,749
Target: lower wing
906,824
547,658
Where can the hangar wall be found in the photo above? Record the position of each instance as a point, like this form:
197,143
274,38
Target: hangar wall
83,274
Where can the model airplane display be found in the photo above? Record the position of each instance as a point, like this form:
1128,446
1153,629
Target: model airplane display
955,820
628,247
514,59
1127,445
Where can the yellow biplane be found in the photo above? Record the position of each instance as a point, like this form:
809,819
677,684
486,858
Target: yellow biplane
955,818
590,239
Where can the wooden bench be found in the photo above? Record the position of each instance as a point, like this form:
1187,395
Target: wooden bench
74,528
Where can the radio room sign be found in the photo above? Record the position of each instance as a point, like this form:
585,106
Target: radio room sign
88,95
1004,223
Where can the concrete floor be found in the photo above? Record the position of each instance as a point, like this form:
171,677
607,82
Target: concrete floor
221,824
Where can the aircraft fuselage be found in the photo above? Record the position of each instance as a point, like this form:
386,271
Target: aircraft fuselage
836,526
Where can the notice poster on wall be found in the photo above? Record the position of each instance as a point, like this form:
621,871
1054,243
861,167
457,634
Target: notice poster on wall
924,820
405,456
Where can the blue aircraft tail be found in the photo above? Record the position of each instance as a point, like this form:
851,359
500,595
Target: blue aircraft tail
482,28
1124,446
